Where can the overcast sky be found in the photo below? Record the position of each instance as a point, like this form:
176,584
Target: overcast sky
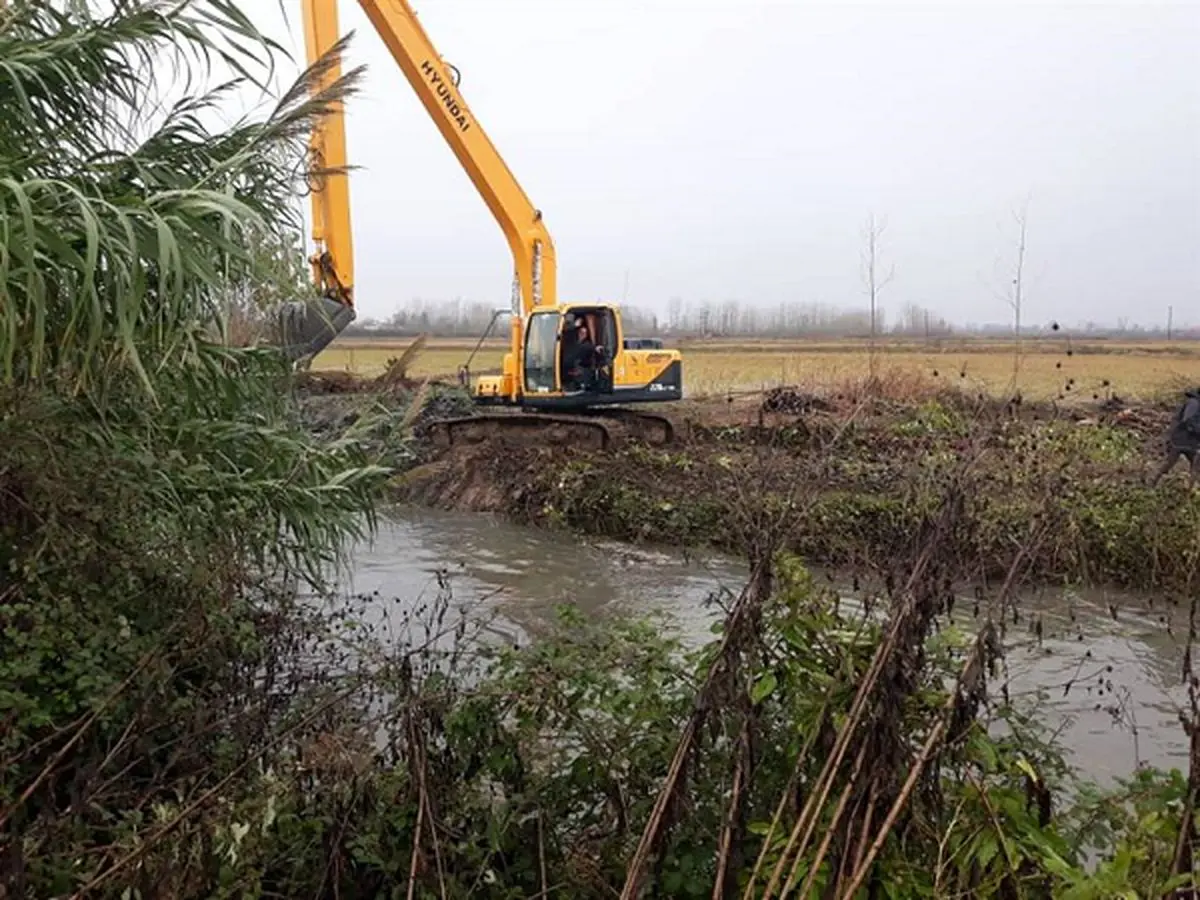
732,149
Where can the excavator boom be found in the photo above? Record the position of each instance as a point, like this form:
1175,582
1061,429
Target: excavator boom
435,83
548,374
333,263
307,328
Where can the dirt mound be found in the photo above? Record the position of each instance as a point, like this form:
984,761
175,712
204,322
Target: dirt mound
491,477
386,423
319,384
793,400
324,383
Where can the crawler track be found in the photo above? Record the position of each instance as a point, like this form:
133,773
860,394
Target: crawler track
595,429
650,428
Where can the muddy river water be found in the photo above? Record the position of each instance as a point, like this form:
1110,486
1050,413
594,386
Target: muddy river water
1121,654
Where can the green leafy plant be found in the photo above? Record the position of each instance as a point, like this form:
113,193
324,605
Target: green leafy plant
159,505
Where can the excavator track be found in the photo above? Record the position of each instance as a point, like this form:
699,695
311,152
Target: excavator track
595,429
650,428
533,428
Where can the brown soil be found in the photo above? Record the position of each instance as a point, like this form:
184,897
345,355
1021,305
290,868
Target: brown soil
474,478
317,384
722,437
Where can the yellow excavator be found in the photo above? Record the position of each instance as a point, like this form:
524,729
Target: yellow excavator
569,369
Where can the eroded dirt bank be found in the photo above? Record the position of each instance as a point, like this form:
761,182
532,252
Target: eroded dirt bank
854,478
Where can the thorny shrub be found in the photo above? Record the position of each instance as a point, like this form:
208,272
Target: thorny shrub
267,746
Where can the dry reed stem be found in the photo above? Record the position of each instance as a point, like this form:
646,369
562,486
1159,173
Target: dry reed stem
830,830
416,847
1182,860
793,780
865,832
735,806
166,828
751,597
420,765
806,822
818,795
331,863
817,798
653,826
967,675
898,804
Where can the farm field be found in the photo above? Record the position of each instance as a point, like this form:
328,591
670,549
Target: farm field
1050,368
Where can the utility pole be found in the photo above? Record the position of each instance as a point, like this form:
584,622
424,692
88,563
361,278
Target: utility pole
1170,320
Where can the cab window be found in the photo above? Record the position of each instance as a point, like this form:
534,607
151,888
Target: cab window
541,341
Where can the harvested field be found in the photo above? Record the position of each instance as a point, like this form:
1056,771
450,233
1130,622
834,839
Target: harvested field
1051,369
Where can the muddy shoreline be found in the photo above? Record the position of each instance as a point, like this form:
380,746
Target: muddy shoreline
857,478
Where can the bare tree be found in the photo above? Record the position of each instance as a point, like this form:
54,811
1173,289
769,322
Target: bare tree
675,313
874,281
1014,292
917,320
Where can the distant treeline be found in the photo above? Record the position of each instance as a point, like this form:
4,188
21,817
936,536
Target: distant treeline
460,318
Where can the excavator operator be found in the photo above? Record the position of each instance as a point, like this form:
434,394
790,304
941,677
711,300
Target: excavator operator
579,361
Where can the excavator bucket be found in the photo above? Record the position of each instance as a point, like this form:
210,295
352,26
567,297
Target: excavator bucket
307,328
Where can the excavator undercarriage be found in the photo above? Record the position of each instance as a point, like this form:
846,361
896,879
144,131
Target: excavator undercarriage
592,429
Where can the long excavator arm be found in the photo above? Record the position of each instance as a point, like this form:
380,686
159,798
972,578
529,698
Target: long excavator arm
435,83
333,262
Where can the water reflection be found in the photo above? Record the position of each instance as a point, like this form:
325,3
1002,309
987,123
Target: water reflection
1111,684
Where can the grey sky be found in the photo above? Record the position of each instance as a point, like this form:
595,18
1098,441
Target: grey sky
732,149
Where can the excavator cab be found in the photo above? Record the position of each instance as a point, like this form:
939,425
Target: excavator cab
564,369
569,354
587,349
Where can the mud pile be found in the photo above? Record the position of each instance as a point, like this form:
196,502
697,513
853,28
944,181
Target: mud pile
494,477
333,406
857,483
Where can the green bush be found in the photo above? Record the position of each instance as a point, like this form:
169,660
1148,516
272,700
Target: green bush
159,506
